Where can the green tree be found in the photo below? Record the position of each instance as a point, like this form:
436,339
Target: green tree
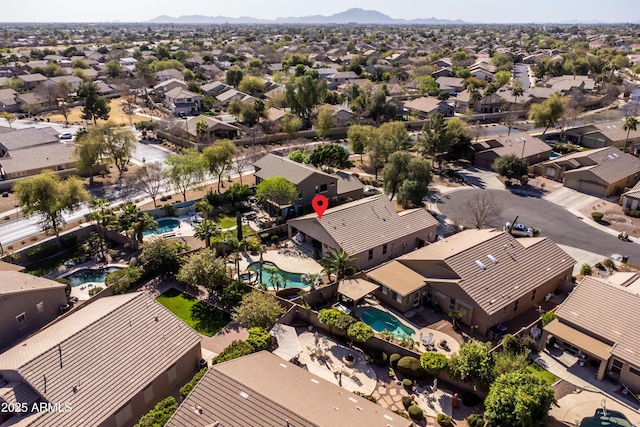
232,293
259,338
428,85
337,319
95,105
394,135
204,268
119,143
251,85
472,363
548,112
135,221
219,158
505,362
360,332
113,69
162,257
202,131
359,137
10,118
416,185
303,93
510,166
502,77
276,189
160,414
186,170
291,125
88,153
49,197
234,76
299,156
325,122
237,193
395,172
205,230
123,279
257,310
434,137
630,124
518,399
433,362
332,156
338,262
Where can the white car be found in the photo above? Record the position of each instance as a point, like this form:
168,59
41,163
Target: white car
370,191
66,136
518,230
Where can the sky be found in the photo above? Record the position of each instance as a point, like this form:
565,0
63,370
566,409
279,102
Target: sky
488,11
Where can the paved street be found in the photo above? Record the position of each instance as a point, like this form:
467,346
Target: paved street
147,152
521,73
559,225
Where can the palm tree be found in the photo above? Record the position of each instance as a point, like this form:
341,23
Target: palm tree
276,279
235,246
310,279
102,214
262,249
136,221
205,208
202,130
474,95
338,262
630,124
516,92
205,231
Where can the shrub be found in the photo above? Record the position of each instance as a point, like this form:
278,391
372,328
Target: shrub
379,357
234,350
526,342
433,362
510,344
169,210
368,397
415,412
407,383
123,279
95,290
393,360
609,264
407,401
186,389
411,367
259,338
633,214
160,414
585,269
68,240
360,332
475,420
524,179
597,216
470,399
42,251
444,420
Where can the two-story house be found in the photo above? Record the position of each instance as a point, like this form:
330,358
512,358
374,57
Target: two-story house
182,101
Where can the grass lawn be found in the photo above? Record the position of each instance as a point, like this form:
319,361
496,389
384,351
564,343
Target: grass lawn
41,268
534,368
204,318
225,221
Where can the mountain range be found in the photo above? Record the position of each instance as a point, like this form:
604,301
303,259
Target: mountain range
351,16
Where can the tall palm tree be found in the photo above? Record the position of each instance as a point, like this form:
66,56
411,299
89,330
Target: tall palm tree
202,130
516,92
474,95
205,231
262,249
630,124
235,246
136,221
338,262
276,279
102,214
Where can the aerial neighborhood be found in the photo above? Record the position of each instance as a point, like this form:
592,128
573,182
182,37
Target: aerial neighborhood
341,220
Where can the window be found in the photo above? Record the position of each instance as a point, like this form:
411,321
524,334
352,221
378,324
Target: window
616,366
323,188
370,254
634,371
299,194
148,394
384,249
317,191
398,297
40,307
504,310
385,290
22,320
515,305
533,294
452,304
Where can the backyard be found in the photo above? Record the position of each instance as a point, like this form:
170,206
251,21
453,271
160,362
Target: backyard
202,317
542,373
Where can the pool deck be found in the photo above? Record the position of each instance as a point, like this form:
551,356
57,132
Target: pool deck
184,228
288,259
82,292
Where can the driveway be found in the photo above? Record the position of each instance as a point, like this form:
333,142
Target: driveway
570,199
561,226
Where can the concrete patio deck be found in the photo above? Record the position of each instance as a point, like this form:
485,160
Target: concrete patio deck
363,380
288,259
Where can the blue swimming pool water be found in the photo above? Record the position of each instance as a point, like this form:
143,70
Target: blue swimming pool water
86,275
164,226
380,320
292,280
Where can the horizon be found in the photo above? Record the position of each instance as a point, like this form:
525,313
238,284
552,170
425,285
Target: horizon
121,11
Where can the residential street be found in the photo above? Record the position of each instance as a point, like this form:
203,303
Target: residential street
559,225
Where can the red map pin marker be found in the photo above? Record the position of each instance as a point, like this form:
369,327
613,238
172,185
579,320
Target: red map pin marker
320,204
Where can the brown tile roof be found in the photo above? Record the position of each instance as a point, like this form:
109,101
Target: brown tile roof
29,137
14,282
615,131
40,157
424,104
263,390
347,183
272,165
521,265
607,312
610,164
515,143
356,288
398,277
109,351
364,224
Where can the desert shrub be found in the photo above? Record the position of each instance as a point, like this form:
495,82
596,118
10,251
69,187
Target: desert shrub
597,216
633,214
407,383
393,360
379,357
407,401
609,264
366,396
95,290
186,389
475,420
585,269
411,367
415,412
433,362
259,338
470,399
444,420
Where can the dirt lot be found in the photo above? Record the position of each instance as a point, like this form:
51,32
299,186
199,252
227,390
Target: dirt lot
614,217
116,115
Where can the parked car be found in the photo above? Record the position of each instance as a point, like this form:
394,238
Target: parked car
370,191
518,230
66,135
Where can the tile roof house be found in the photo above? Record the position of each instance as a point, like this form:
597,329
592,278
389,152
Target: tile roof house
521,144
309,181
567,82
452,85
426,106
166,85
27,303
605,134
598,322
263,390
631,198
217,128
486,275
369,229
180,100
603,172
169,74
110,362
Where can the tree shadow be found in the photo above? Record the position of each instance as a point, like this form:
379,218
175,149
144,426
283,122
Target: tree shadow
527,191
207,319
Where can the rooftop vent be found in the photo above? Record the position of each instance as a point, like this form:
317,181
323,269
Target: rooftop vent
480,264
492,258
244,395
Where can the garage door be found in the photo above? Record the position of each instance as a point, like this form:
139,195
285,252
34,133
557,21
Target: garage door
592,188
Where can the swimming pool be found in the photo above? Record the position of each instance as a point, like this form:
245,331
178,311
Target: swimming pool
86,275
164,226
292,280
380,320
